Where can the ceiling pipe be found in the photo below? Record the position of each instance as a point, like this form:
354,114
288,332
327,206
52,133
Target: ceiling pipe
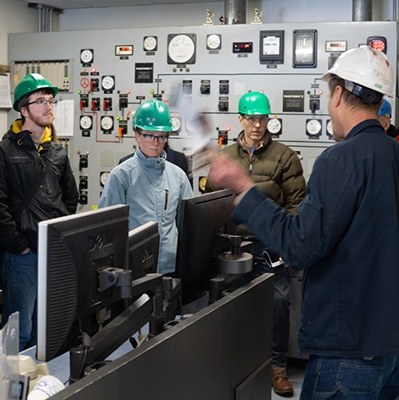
51,19
45,19
362,10
45,16
39,6
235,12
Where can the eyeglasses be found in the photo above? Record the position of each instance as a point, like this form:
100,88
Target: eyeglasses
254,120
44,102
150,138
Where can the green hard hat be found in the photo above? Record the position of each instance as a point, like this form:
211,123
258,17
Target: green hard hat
153,115
29,84
254,103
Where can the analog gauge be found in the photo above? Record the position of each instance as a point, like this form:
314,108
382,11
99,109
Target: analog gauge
150,43
214,42
107,123
274,126
329,128
176,124
86,122
181,49
108,82
313,127
202,183
103,177
304,49
86,56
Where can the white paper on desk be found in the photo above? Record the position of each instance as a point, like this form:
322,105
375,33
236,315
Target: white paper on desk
63,120
5,91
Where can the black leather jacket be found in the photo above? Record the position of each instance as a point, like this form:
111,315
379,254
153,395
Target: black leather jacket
20,166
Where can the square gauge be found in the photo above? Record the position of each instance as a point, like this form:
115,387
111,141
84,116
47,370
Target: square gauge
271,47
304,49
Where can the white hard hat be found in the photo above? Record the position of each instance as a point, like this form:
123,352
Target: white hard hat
366,67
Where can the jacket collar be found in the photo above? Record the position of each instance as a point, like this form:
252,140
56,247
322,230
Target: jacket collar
368,123
150,162
16,128
263,144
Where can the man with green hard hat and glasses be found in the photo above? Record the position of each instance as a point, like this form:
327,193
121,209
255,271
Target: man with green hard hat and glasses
152,186
36,184
277,172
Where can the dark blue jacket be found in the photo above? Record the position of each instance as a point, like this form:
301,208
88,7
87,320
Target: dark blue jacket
345,237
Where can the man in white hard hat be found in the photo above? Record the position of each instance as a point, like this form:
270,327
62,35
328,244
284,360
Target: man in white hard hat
345,238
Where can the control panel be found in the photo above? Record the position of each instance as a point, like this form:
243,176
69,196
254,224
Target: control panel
104,76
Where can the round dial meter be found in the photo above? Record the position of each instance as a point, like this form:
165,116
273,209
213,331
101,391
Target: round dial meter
86,122
213,42
103,177
150,43
86,56
313,127
176,124
107,123
329,128
181,49
274,126
108,82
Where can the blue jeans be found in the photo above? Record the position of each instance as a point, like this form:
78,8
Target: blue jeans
281,306
351,378
19,280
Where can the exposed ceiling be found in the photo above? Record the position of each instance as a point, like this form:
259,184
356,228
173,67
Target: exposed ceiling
68,4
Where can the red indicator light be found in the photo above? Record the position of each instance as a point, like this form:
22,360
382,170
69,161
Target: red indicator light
378,45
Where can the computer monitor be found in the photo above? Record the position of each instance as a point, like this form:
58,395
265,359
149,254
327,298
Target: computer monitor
89,301
144,249
201,220
72,251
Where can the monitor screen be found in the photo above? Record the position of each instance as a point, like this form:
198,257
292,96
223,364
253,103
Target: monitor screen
73,251
200,220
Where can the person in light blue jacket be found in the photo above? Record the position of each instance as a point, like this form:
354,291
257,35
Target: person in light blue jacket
152,186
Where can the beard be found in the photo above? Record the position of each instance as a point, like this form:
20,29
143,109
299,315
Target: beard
43,120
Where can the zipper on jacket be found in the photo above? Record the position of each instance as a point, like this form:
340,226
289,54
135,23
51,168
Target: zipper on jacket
250,169
166,199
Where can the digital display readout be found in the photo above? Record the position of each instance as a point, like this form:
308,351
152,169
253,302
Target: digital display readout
124,50
242,47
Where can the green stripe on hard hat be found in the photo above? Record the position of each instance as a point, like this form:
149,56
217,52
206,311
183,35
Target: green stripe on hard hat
254,103
29,84
153,115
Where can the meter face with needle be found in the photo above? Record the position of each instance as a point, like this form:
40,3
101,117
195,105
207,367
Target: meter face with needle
313,127
181,49
108,82
86,56
274,126
213,42
150,43
107,123
176,124
86,122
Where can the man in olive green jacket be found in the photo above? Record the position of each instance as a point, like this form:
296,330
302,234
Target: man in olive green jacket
276,171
